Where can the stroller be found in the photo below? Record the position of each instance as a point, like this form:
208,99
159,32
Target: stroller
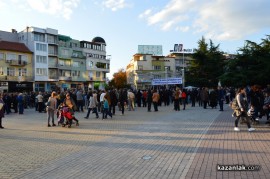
65,113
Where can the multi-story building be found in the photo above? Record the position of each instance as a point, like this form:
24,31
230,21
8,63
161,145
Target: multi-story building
15,67
60,62
71,63
97,63
145,67
44,45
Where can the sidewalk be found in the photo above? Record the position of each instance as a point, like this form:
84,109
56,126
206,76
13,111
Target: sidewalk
140,144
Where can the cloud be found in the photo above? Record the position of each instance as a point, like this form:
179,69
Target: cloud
115,5
220,19
63,8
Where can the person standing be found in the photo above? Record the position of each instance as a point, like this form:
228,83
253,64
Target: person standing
149,99
139,98
184,98
144,97
155,99
176,99
114,100
242,111
122,100
221,97
2,110
20,103
40,102
106,108
205,97
79,97
51,108
14,102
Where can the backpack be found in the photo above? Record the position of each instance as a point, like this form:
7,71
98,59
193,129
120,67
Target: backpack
234,104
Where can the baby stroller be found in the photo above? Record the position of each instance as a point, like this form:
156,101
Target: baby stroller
65,113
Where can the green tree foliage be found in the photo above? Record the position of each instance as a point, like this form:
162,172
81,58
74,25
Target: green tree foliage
250,66
207,65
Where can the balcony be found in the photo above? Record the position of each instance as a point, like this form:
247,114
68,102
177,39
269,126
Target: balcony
16,78
53,78
65,78
53,65
16,62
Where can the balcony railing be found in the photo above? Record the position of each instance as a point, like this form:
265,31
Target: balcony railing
17,63
65,78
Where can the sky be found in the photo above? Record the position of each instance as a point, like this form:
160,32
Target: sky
125,24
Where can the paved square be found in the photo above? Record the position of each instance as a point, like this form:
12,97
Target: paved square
140,144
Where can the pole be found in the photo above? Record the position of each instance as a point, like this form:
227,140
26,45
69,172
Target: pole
166,76
183,71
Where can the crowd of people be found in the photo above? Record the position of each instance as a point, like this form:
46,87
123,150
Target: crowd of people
106,102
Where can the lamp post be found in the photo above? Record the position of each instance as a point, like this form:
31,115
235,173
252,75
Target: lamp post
166,76
183,70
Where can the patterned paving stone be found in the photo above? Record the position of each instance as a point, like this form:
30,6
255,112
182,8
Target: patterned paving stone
164,144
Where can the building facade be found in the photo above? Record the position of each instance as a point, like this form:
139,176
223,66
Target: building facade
143,68
15,67
59,62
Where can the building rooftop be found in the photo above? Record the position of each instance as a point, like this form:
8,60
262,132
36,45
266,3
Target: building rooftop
14,46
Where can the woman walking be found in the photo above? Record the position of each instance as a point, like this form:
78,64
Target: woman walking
51,108
92,104
241,112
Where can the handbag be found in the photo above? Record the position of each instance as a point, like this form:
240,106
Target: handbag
1,105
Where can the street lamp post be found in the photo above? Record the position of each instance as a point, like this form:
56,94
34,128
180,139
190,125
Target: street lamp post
183,71
166,76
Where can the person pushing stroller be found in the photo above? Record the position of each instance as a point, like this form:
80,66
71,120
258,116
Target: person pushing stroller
68,109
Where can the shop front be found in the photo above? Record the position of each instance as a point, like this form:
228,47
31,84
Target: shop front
20,86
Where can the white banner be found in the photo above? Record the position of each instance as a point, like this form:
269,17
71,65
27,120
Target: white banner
168,81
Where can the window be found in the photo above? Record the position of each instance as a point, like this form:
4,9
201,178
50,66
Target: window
75,54
41,47
22,71
22,58
140,67
65,73
41,71
156,67
76,73
39,37
41,59
2,56
76,64
91,64
157,76
61,62
65,52
97,74
101,65
11,56
51,39
10,71
1,71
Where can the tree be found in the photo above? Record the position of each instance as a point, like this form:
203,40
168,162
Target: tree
251,65
119,79
207,65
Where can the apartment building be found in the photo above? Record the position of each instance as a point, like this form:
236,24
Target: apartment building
97,62
71,64
15,67
60,62
143,68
